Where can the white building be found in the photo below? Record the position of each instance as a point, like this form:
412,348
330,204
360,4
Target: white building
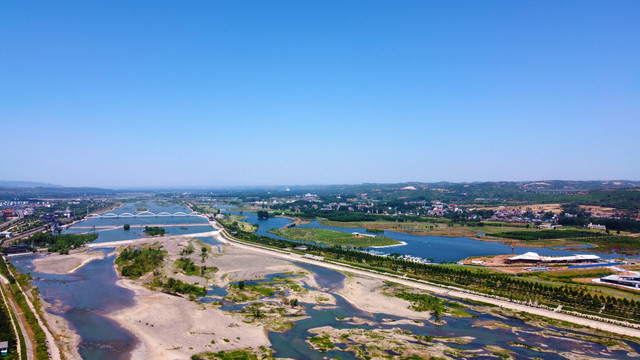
596,227
531,257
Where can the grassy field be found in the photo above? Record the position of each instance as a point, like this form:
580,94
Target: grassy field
244,226
429,228
330,237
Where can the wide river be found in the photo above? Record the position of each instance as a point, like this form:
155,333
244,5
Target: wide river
437,248
85,297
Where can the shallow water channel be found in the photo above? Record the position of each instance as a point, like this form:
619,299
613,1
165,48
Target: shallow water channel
83,299
293,343
86,296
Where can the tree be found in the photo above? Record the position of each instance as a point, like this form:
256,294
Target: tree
263,215
203,254
126,227
241,284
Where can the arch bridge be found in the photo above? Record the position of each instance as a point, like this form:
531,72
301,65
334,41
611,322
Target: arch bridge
111,215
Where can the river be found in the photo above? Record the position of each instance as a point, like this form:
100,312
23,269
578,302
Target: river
438,248
86,296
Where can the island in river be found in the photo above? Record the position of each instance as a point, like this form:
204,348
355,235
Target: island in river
275,306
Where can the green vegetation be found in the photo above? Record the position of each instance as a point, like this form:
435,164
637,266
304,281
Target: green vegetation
154,231
581,297
322,342
234,223
263,215
126,227
567,275
175,286
228,355
547,234
331,237
375,231
59,243
188,250
9,271
424,302
188,266
133,263
6,330
621,244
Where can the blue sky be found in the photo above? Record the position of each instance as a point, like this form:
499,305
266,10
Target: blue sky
119,94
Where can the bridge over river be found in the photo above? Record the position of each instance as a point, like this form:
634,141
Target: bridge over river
111,215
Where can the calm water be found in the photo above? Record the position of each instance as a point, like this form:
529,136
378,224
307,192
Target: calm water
175,225
83,299
292,343
438,248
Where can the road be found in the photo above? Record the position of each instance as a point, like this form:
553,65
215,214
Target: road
14,307
52,347
592,322
26,234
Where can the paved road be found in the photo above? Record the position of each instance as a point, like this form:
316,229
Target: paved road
28,343
27,234
447,291
52,347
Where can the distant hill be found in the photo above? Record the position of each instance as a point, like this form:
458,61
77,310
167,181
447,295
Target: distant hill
23,190
23,184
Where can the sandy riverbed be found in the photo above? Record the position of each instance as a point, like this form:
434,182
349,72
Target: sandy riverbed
65,264
171,327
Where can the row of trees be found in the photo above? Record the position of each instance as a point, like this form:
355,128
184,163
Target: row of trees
505,285
59,243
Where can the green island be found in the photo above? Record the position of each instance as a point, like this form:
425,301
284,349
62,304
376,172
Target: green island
154,231
235,222
512,233
331,237
133,263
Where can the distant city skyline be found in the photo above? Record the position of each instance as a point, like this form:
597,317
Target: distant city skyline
143,95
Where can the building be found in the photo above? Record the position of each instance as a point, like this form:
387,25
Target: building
4,348
6,234
364,235
596,227
68,213
625,280
534,258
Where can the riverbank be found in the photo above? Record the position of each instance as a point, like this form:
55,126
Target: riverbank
66,264
593,322
172,327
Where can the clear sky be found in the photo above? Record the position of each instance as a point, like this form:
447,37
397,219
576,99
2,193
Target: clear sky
206,93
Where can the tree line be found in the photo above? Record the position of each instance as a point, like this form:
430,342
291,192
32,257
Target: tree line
505,285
